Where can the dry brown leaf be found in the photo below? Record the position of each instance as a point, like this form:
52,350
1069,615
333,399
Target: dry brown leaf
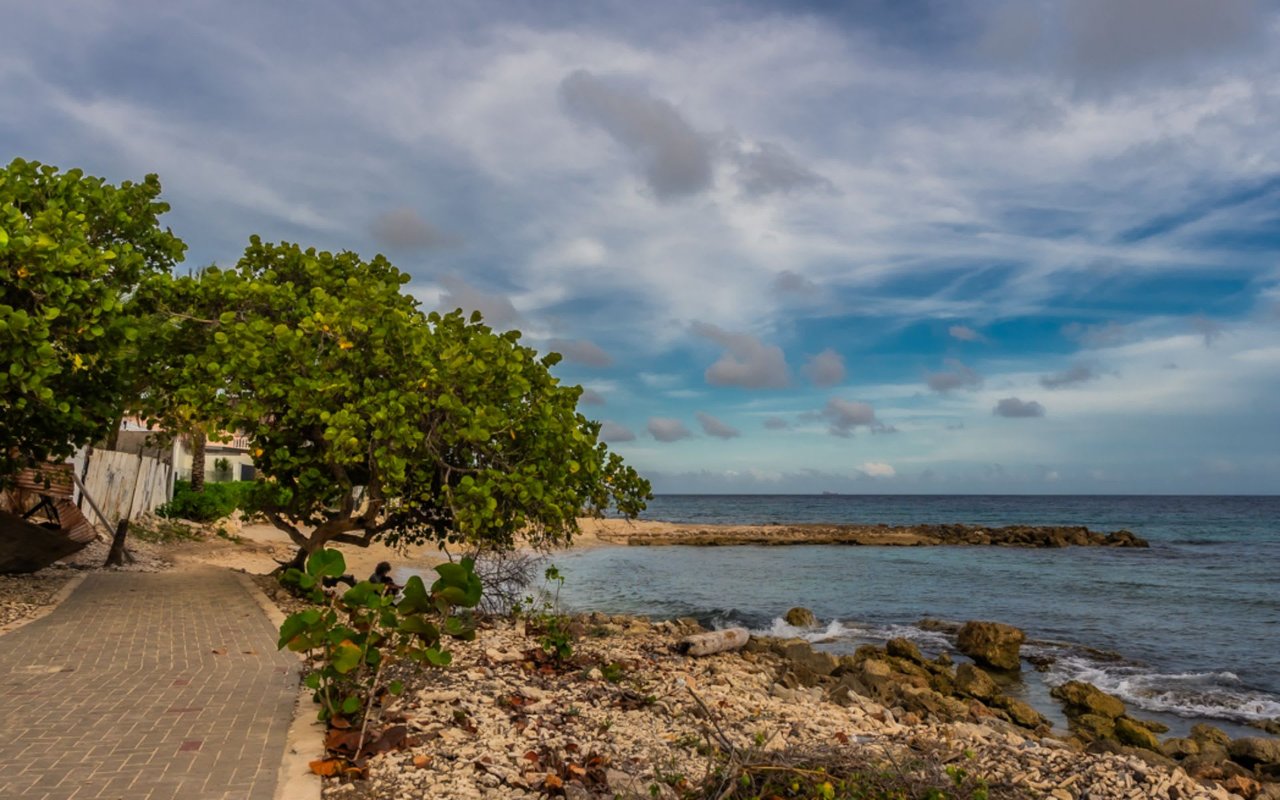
326,768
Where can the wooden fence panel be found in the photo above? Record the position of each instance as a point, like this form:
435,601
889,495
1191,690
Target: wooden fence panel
110,482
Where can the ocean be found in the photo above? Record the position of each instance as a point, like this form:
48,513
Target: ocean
1186,631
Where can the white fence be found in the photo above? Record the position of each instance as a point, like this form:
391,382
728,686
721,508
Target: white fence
115,478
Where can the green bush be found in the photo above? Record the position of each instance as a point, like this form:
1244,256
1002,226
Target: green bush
217,500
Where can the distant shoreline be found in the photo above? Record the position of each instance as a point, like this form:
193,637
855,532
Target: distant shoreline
642,533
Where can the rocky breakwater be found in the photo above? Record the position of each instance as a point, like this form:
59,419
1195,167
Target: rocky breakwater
629,717
645,533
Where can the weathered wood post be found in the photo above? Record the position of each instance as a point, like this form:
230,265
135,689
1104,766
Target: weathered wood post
119,556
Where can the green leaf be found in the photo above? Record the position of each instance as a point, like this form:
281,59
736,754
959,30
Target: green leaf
351,705
291,628
414,598
396,688
363,594
326,564
312,681
346,657
438,657
419,626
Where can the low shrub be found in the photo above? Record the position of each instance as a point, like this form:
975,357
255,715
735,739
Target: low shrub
217,501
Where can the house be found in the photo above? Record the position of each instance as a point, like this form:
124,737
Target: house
226,458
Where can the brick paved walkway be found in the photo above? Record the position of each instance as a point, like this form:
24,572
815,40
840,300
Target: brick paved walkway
146,685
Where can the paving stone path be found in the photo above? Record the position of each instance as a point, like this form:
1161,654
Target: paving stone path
144,686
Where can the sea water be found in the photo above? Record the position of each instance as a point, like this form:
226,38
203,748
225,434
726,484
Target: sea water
1186,630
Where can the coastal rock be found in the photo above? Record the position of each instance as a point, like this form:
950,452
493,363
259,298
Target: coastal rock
938,625
1081,698
807,664
1254,750
1123,538
1020,712
1271,726
801,617
1091,727
992,644
1180,748
1130,732
974,682
1243,786
1205,733
904,648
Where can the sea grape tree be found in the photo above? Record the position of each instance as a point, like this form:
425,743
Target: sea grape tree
370,418
73,250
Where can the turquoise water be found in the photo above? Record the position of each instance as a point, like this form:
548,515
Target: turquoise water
1191,626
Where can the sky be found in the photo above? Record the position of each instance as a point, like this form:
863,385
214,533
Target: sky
894,246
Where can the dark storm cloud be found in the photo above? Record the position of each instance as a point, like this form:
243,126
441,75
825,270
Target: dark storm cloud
613,432
665,429
768,168
405,229
747,362
844,416
1013,407
958,376
1078,373
581,351
675,158
714,427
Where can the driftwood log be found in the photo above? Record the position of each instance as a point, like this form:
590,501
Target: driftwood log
704,644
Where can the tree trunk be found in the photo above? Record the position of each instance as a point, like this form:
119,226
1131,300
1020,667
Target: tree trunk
198,440
299,561
119,556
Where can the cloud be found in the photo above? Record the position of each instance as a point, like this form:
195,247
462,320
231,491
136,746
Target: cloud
1013,407
788,282
658,380
676,159
843,416
1116,37
775,424
613,432
714,427
590,397
957,377
665,429
748,362
880,428
878,469
1077,373
767,168
581,351
497,310
1208,328
965,334
826,369
1108,334
404,229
